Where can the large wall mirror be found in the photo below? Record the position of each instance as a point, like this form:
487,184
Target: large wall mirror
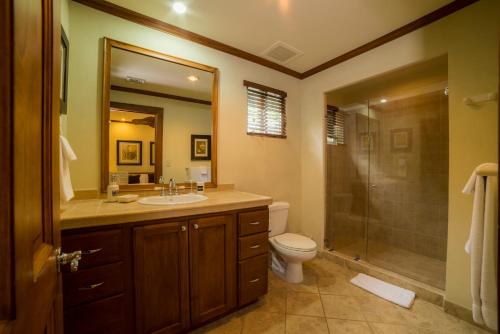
159,118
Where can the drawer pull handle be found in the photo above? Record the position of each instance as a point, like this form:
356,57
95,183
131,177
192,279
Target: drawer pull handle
183,228
255,223
91,286
92,251
255,246
255,280
196,226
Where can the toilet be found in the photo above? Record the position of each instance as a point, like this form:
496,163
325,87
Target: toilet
288,250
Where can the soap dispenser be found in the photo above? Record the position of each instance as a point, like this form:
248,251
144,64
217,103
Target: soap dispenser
113,189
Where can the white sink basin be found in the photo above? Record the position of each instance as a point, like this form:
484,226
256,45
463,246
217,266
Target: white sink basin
172,200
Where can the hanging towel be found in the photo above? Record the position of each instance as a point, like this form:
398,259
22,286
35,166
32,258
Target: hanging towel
483,244
66,154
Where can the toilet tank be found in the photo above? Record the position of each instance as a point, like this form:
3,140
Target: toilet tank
278,218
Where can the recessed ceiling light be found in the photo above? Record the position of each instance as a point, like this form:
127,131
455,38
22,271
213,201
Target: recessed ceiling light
383,100
193,78
179,7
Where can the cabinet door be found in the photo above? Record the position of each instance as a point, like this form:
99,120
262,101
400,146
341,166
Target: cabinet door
212,245
161,278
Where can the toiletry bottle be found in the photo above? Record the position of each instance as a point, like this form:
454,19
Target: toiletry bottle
113,189
200,187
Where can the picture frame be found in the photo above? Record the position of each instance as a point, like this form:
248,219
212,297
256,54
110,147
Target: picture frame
201,147
152,153
63,89
401,140
128,152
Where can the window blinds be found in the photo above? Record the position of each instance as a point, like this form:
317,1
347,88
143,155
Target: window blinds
266,110
334,126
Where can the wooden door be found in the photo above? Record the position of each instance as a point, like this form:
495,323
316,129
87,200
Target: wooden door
29,231
212,246
161,274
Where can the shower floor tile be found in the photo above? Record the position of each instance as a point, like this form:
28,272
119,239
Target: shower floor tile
419,267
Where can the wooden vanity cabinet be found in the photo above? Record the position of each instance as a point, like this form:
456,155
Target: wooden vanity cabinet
161,277
165,276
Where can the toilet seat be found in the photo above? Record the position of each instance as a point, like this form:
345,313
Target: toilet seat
295,242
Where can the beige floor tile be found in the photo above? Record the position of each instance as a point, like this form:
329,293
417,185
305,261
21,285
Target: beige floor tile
381,328
231,324
296,324
274,301
339,286
377,309
342,307
275,282
309,284
325,268
301,303
264,323
339,326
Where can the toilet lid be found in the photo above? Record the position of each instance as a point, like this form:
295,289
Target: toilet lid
295,242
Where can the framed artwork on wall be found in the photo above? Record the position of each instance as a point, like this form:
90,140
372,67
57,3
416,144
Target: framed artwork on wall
401,140
63,90
152,150
128,152
201,147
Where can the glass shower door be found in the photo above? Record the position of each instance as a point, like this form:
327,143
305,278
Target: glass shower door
348,150
408,185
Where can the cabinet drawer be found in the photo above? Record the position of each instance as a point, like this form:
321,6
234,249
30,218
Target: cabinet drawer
253,222
97,248
92,284
105,316
252,279
253,245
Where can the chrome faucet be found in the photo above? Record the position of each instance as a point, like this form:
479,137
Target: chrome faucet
172,185
161,181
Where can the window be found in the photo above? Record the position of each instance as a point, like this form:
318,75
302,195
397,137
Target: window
334,126
266,110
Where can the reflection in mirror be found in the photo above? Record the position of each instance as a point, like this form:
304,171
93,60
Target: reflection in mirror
158,119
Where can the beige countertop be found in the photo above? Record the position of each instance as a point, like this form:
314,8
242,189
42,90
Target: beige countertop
96,212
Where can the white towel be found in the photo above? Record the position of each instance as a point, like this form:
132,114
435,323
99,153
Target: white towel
483,244
390,292
66,154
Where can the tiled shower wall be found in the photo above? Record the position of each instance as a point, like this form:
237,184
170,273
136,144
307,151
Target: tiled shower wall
407,199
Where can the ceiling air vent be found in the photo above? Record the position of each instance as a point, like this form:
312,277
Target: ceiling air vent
281,52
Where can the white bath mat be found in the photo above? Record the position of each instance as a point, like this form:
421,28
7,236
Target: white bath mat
390,292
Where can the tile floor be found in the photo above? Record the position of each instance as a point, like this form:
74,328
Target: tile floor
327,303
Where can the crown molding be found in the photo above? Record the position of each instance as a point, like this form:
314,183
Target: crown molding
153,23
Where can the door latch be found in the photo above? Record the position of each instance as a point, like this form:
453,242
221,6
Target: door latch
65,258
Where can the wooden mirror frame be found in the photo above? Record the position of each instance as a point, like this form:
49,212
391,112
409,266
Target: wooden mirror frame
106,105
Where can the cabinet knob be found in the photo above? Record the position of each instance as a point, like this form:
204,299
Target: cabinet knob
183,228
195,226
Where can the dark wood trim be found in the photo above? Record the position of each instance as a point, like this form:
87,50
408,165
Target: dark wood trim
247,83
158,113
6,161
158,94
106,87
150,22
406,29
153,23
64,99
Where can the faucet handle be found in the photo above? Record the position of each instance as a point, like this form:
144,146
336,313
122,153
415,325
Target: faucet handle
161,180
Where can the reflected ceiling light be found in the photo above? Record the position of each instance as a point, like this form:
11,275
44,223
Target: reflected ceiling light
123,120
179,7
193,78
383,100
135,80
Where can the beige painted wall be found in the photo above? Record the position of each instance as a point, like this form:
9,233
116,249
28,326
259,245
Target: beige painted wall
470,38
180,120
261,165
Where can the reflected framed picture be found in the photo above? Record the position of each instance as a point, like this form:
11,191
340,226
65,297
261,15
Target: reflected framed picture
401,140
201,148
128,152
152,151
63,89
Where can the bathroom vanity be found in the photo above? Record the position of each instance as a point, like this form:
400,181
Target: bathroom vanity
163,269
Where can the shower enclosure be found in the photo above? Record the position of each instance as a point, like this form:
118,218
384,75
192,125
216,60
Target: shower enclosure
387,171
